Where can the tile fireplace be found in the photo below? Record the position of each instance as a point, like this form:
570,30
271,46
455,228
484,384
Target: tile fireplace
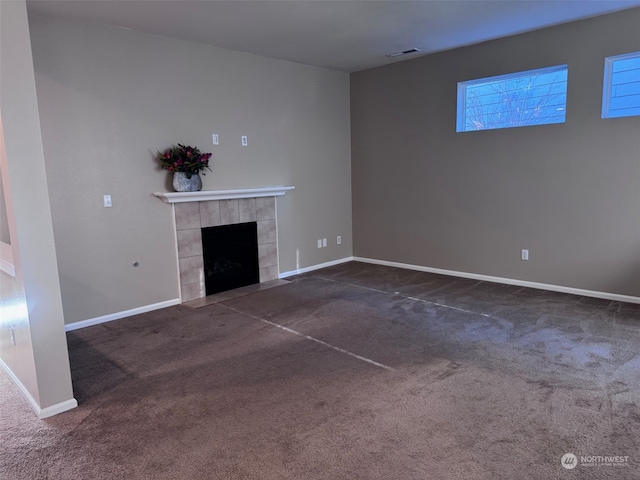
194,211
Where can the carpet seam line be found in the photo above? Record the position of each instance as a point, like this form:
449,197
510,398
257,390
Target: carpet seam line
313,339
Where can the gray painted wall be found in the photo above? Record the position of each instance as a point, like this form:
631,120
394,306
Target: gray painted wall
426,195
30,303
110,98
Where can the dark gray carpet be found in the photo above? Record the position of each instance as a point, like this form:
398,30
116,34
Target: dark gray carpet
471,380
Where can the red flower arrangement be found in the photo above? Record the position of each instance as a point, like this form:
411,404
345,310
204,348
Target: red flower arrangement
184,158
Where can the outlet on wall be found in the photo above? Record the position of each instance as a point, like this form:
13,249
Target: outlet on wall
524,254
319,243
339,240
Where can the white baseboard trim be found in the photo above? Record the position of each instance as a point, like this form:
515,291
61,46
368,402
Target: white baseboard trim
315,267
118,315
507,281
40,412
57,408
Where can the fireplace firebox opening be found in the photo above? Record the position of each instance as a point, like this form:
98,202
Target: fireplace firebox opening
230,256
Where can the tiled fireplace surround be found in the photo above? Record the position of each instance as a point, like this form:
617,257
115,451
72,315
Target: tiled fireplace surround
191,217
196,210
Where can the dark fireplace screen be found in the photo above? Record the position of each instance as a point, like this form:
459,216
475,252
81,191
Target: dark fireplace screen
230,256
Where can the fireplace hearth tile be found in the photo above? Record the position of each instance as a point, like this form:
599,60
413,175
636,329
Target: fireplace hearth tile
237,293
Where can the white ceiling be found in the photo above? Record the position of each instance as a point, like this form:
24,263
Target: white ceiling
336,34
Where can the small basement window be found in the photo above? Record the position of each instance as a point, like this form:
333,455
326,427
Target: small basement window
621,92
534,97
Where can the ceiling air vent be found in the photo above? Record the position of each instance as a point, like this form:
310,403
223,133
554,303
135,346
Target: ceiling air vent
406,52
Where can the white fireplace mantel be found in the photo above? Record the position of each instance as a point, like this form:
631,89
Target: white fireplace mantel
205,195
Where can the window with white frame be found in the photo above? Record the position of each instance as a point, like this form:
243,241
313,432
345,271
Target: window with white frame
621,92
534,97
